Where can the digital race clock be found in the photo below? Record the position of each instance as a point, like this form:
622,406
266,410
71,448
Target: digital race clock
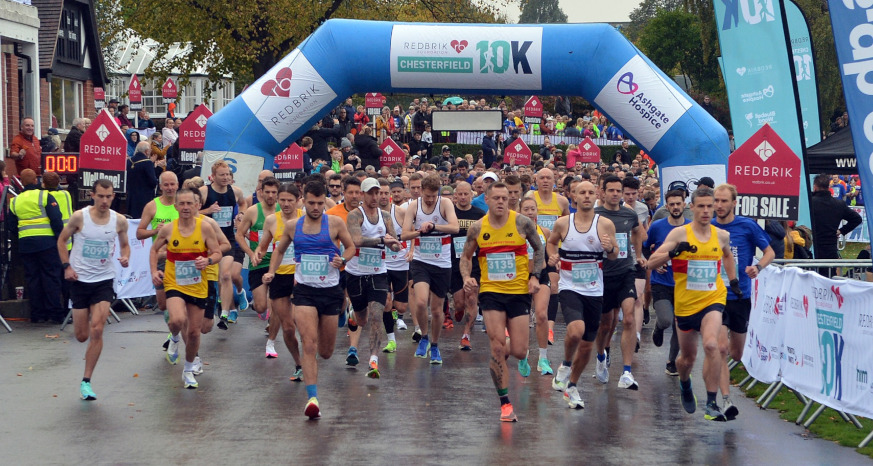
62,163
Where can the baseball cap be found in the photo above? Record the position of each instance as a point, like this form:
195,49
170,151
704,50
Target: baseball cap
706,181
369,184
490,175
445,148
414,157
396,184
678,185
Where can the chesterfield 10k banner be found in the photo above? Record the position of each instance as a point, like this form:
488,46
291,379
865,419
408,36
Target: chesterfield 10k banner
818,332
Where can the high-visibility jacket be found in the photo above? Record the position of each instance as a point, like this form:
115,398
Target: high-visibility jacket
30,208
65,204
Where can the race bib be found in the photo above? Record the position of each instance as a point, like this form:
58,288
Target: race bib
547,221
187,273
430,247
96,251
585,274
724,277
460,242
501,266
224,217
395,255
288,258
621,239
370,257
701,275
313,265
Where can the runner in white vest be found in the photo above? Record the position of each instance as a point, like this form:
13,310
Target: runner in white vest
397,265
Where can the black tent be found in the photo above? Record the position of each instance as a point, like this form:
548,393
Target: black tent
834,156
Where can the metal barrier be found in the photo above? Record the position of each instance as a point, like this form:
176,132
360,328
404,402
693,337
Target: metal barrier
6,249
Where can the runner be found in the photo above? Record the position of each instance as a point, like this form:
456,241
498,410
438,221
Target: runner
367,279
223,202
281,284
398,267
541,298
619,291
318,298
500,241
190,249
430,221
630,188
89,264
156,213
662,277
211,276
464,301
698,251
263,175
577,246
746,235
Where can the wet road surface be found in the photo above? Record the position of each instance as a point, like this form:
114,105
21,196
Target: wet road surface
247,411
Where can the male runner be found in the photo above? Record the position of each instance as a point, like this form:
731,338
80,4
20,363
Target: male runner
746,235
430,221
190,249
351,201
577,246
630,193
464,301
500,240
223,202
698,251
318,298
155,214
662,277
396,263
281,284
89,264
248,235
619,290
263,175
367,279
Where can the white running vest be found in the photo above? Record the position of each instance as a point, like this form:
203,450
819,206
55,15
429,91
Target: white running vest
434,248
93,248
581,266
369,260
397,260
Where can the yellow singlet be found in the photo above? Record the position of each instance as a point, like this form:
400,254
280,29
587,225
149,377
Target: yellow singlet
698,275
288,265
553,208
502,258
181,274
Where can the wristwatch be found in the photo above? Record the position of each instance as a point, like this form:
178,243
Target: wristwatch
758,266
65,265
344,261
209,259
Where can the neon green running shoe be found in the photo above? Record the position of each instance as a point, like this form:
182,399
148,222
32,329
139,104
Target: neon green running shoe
390,347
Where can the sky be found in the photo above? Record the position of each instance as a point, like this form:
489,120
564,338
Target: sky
591,11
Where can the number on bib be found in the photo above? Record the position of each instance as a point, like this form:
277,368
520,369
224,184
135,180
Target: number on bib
585,274
621,239
501,266
370,257
187,273
313,265
430,247
459,242
93,250
701,275
224,217
288,258
547,221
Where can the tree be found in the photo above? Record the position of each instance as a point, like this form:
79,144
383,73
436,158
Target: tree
672,41
541,12
245,38
641,15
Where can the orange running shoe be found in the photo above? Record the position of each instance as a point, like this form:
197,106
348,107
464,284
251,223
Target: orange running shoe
465,344
507,414
447,323
551,337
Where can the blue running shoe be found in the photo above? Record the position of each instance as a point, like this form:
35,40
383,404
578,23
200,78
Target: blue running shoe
423,348
87,393
352,358
342,319
173,352
242,299
435,357
232,316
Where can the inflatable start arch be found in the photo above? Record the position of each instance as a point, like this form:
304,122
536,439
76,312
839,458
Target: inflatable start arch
590,60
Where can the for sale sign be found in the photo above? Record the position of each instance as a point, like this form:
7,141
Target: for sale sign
169,91
767,175
589,150
533,111
289,162
103,153
192,134
518,153
373,103
134,93
391,153
99,98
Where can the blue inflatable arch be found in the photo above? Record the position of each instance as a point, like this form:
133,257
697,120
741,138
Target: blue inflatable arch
589,60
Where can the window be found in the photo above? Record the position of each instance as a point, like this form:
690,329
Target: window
66,101
69,47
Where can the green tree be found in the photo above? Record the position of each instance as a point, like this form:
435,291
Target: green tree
647,10
671,39
541,12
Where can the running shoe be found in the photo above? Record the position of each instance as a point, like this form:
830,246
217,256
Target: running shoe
544,367
241,299
416,335
342,319
198,366
712,413
400,324
478,317
423,348
730,410
189,380
571,396
689,401
373,373
435,357
312,411
352,358
271,350
507,414
608,360
353,322
658,336
173,352
602,371
232,316
524,367
87,393
391,347
297,376
627,381
448,324
551,337
671,369
167,342
559,382
646,316
465,344
222,323
459,315
265,316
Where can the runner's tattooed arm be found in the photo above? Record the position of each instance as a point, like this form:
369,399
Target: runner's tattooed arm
528,228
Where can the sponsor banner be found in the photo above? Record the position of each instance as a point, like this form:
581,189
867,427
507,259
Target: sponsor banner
466,57
288,95
589,150
767,175
135,281
169,91
851,25
391,153
373,103
517,153
192,134
533,111
761,356
288,163
99,98
134,94
823,348
244,167
646,105
804,72
103,153
861,234
689,175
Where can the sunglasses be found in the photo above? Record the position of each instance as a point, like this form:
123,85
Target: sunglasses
336,185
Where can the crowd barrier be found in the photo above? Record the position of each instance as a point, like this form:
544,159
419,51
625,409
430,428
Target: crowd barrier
475,137
6,250
813,335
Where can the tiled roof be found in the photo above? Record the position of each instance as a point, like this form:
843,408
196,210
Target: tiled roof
49,22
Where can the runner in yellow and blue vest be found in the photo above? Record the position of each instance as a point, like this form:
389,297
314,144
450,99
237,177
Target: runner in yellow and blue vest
158,212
